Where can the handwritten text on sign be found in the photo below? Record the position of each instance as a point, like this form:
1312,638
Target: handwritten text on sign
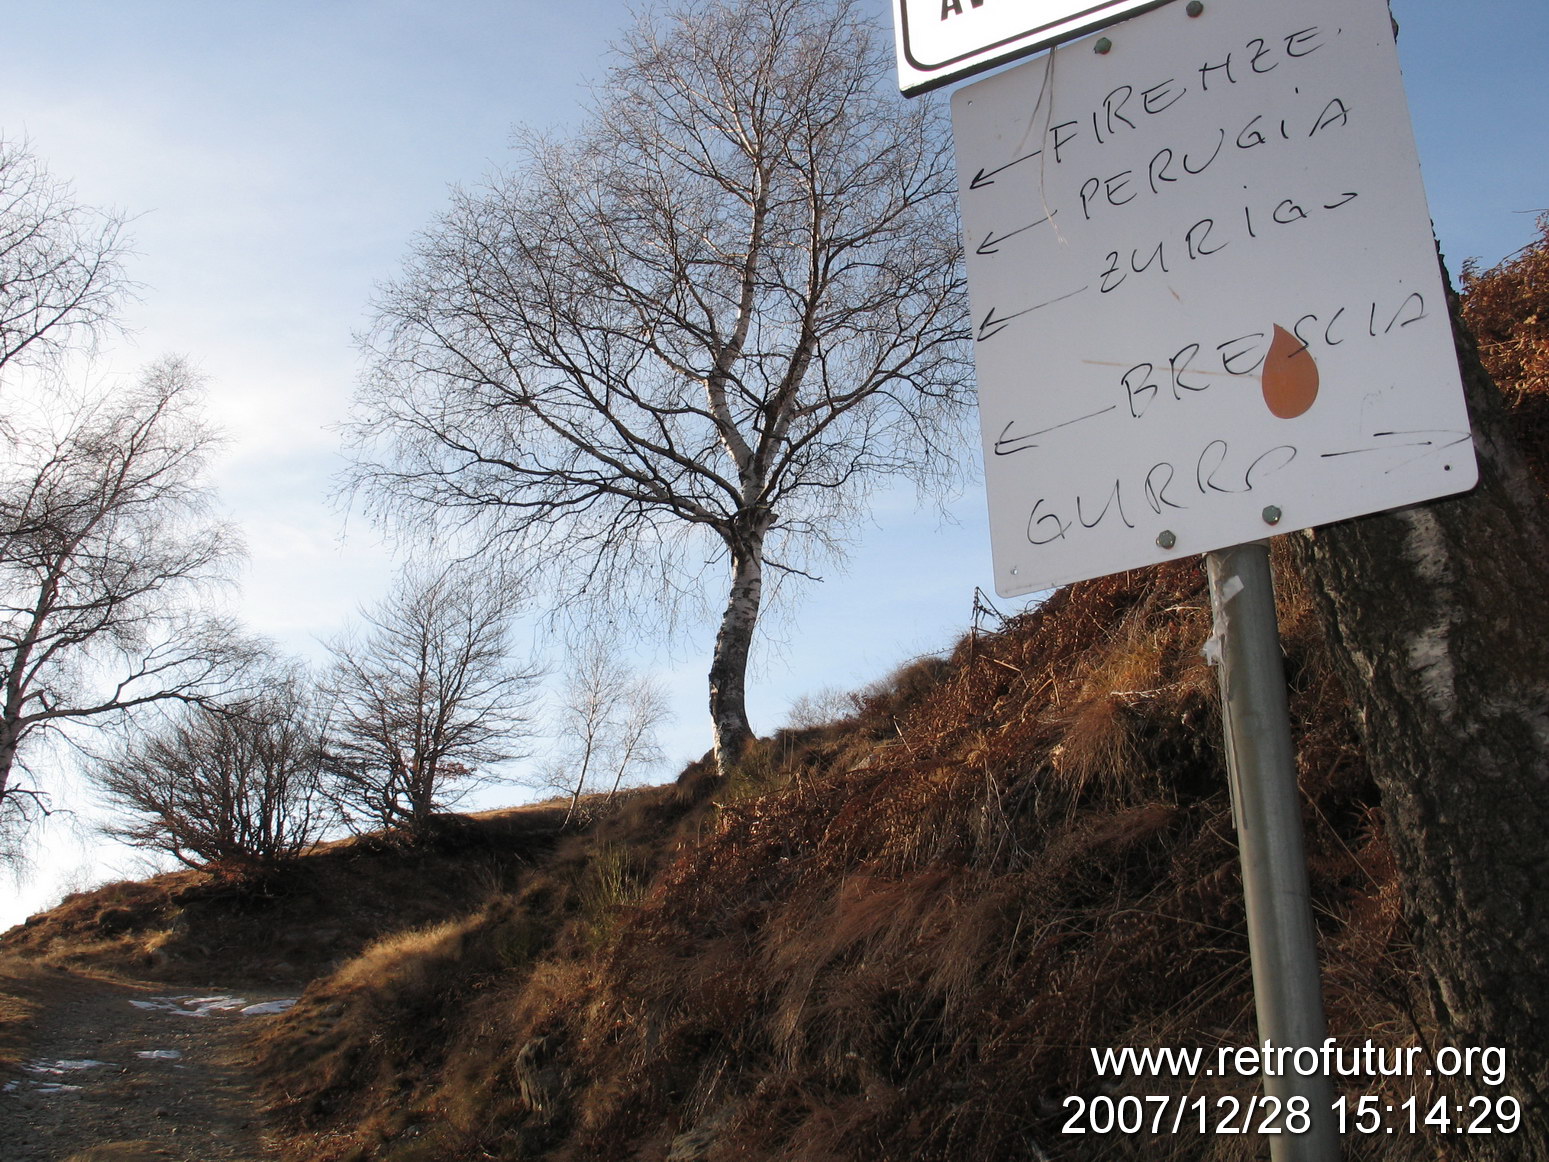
1204,289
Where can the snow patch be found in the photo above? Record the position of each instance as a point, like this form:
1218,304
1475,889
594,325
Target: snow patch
59,1067
221,1004
264,1008
47,1070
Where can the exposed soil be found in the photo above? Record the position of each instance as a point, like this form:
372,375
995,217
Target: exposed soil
134,1071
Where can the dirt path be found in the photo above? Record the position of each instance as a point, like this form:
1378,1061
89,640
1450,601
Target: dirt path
135,1071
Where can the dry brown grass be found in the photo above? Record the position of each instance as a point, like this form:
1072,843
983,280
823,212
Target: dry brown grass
896,936
1507,308
291,924
113,927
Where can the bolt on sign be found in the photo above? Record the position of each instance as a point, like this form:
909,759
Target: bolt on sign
942,40
1206,301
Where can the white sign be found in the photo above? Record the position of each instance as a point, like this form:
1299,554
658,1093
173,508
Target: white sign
1206,301
941,40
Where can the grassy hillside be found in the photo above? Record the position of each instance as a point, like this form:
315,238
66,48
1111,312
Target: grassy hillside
897,935
197,926
894,936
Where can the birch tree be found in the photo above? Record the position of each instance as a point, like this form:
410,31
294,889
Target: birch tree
106,546
1434,615
691,338
427,701
605,724
61,263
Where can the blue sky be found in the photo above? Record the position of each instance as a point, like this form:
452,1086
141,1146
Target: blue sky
278,157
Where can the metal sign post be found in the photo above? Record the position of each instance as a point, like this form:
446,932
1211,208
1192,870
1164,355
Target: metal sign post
1261,769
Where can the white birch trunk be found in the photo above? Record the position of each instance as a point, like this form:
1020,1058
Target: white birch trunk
729,666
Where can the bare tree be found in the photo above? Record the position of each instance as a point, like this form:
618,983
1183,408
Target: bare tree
1433,614
427,700
695,335
61,263
605,724
239,785
106,542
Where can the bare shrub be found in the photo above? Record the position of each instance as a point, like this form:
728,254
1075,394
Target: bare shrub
819,708
427,701
604,725
1507,308
239,786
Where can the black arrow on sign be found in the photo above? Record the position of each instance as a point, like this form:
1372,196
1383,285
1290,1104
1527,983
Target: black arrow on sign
1008,445
986,177
991,243
1457,438
991,326
1438,445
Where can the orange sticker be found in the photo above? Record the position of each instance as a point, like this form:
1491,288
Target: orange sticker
1290,378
